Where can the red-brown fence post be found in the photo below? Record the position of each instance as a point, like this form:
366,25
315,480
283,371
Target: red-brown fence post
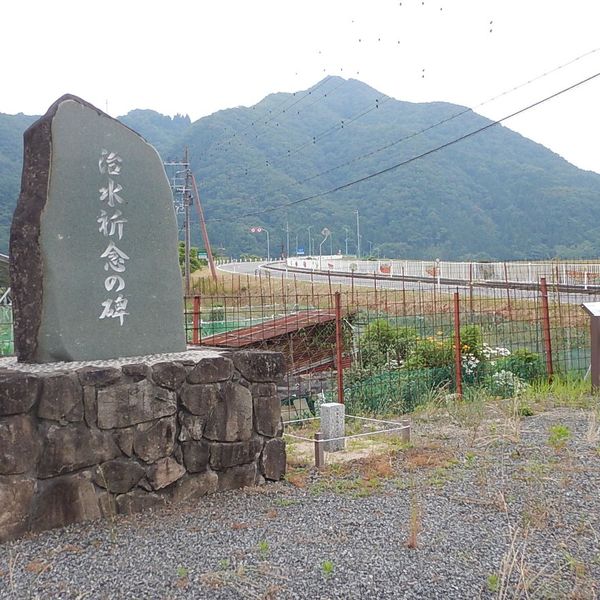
339,347
457,346
507,292
196,333
546,327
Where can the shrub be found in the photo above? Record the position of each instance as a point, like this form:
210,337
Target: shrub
429,353
471,340
381,343
528,366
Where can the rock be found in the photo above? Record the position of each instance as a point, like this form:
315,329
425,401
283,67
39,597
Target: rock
237,477
211,370
124,439
155,440
192,427
199,399
18,392
19,445
63,500
93,244
196,456
273,459
119,475
126,404
260,366
231,417
90,406
164,472
72,447
267,408
169,374
192,487
61,398
137,501
107,504
225,455
98,376
16,494
137,371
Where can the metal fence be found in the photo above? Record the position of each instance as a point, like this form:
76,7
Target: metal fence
384,351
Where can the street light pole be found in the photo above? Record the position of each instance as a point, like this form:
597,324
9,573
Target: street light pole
310,252
287,230
357,235
346,240
268,244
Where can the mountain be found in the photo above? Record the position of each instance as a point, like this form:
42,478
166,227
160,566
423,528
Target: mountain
492,195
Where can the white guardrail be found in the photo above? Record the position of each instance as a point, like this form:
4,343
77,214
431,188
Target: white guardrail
556,272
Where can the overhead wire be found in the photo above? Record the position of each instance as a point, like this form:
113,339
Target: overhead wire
414,158
413,134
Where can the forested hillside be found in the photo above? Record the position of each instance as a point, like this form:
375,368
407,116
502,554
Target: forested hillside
493,195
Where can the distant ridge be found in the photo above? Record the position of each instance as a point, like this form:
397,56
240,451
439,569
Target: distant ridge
496,195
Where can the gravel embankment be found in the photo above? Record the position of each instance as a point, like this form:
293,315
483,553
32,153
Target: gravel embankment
489,502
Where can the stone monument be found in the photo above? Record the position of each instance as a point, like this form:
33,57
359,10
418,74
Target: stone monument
106,411
93,245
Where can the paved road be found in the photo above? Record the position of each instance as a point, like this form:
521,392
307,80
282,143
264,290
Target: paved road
277,268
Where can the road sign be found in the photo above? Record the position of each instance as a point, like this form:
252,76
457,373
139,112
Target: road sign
256,229
299,251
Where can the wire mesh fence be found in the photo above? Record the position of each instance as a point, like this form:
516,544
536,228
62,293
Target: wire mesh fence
398,348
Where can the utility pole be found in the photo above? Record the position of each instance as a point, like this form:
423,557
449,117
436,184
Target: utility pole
187,201
310,252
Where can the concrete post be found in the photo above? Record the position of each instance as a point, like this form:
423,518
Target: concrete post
333,425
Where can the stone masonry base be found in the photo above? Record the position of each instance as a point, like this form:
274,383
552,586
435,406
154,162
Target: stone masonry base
84,442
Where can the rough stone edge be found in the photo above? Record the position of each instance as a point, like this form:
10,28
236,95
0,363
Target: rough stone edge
24,248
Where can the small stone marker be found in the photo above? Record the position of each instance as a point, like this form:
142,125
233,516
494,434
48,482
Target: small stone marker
332,426
93,245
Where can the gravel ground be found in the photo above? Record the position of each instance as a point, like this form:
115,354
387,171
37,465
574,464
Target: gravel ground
497,508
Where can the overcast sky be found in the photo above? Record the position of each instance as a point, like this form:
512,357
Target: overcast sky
196,57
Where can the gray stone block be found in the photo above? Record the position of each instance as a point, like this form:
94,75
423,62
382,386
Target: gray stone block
63,500
61,398
99,376
169,374
231,417
137,501
124,439
260,366
238,477
119,475
164,472
192,426
19,445
225,455
18,392
192,487
211,370
196,456
273,459
126,404
267,408
66,449
137,371
199,399
90,406
155,440
16,494
333,425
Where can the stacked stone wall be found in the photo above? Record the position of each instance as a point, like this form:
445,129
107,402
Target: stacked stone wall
82,443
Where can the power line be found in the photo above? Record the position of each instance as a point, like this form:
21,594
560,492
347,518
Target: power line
406,137
419,156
